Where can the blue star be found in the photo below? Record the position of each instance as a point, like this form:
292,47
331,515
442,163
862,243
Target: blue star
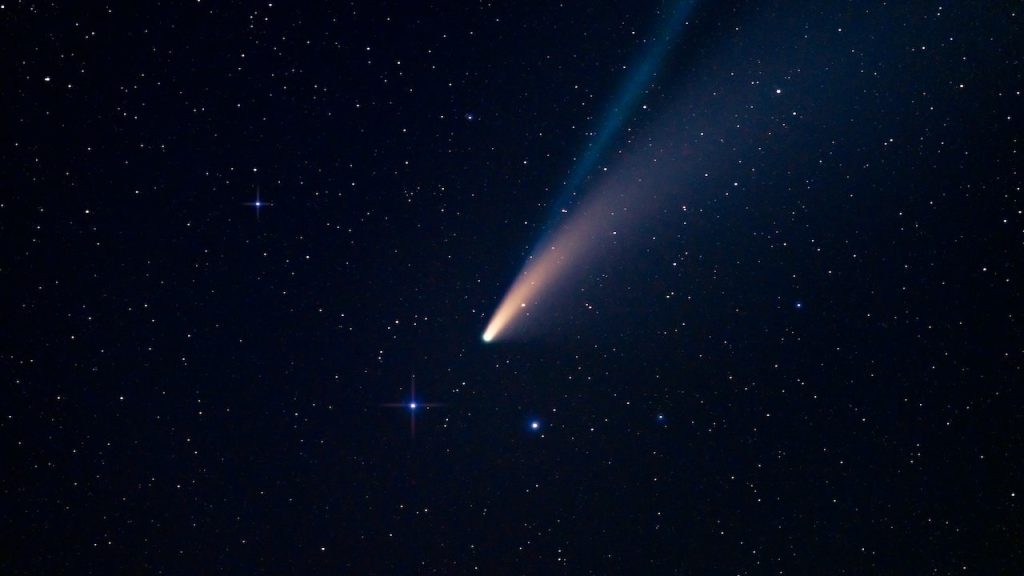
258,204
412,406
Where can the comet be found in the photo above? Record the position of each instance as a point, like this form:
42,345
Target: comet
575,241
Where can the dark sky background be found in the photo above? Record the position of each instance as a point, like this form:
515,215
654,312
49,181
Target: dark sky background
810,361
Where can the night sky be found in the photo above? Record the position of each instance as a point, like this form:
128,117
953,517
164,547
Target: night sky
234,233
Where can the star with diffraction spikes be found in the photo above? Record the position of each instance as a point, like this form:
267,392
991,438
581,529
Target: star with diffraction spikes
413,406
258,204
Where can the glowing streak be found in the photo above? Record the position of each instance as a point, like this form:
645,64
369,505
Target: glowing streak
638,80
567,245
534,276
567,251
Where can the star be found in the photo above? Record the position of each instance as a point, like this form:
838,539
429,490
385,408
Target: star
535,425
258,204
412,406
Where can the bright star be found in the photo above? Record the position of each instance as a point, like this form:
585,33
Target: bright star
412,405
534,425
258,204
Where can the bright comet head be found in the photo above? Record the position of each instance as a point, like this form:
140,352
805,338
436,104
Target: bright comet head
497,322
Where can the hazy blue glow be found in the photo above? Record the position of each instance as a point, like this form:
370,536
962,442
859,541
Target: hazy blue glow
622,106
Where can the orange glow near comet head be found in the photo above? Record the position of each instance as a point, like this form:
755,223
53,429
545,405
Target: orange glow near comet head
537,275
540,271
516,300
545,268
560,258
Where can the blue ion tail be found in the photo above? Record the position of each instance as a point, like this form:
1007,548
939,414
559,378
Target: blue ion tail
621,109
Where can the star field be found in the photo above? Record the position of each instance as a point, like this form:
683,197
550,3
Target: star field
233,234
